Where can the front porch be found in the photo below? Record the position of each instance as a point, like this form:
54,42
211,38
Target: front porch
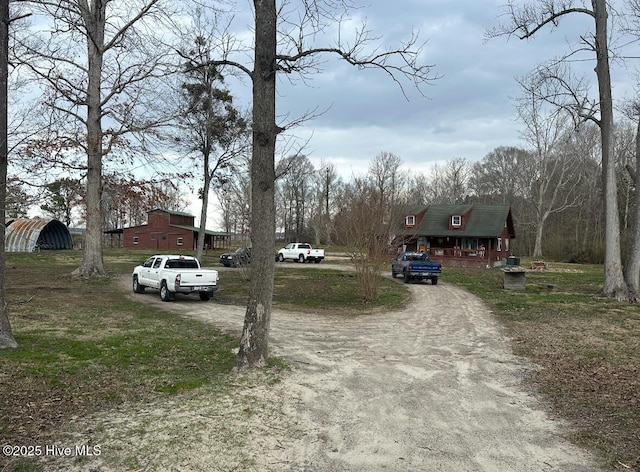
452,257
459,252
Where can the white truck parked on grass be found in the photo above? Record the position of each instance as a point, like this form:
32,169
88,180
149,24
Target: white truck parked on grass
175,274
301,252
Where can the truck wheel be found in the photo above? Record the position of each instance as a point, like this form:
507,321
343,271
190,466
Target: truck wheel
137,288
393,274
280,257
205,296
317,261
434,280
301,258
165,294
406,277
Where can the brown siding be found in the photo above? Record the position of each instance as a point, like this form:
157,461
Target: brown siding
159,233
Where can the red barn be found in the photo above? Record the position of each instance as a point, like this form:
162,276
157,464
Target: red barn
168,230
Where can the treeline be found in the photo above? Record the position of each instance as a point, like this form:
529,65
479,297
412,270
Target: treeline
556,196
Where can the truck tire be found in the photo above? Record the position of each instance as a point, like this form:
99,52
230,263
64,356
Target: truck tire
406,277
204,296
301,258
393,274
137,288
280,257
317,261
165,294
434,280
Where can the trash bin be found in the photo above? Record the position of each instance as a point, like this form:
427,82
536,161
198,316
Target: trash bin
513,261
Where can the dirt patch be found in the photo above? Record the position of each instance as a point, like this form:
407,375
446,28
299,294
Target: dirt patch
432,387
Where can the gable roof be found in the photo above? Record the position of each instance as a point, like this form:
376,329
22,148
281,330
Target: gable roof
171,212
483,221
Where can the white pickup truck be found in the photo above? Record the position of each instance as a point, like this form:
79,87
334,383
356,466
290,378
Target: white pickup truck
175,274
301,252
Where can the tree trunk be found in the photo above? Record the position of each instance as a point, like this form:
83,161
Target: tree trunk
94,20
254,346
203,211
632,269
537,248
6,335
614,283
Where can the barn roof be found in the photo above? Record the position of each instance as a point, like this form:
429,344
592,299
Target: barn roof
27,235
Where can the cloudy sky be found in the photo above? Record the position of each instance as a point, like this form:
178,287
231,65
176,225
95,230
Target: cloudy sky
467,112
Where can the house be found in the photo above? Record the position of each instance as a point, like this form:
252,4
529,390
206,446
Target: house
459,235
169,230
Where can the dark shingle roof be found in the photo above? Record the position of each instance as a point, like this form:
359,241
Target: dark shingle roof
480,220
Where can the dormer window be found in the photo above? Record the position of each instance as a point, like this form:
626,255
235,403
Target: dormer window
410,220
456,220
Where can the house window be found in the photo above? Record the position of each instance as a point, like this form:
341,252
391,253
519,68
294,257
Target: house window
456,220
506,245
499,248
136,240
410,220
180,241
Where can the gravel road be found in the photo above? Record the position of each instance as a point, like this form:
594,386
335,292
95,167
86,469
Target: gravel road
434,387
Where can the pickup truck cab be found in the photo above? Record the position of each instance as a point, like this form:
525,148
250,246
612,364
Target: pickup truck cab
238,258
175,274
415,265
301,252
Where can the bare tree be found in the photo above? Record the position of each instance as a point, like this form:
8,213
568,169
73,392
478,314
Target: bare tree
525,22
365,224
234,195
327,184
502,176
7,339
295,190
418,188
632,266
554,173
387,177
99,84
295,56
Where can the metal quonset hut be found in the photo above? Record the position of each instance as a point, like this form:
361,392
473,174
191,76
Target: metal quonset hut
27,235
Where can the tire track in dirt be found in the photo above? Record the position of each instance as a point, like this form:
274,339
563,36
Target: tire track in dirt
431,387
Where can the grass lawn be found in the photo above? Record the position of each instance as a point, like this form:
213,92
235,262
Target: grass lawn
84,347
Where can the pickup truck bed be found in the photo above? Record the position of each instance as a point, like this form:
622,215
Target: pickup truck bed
416,265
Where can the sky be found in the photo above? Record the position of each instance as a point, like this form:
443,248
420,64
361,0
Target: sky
467,112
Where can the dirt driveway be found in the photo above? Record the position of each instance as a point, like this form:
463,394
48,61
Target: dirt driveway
434,387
